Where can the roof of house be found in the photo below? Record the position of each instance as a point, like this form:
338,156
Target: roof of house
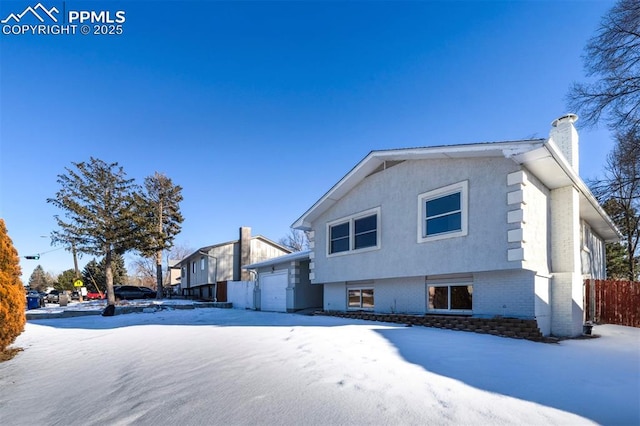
542,157
291,257
257,237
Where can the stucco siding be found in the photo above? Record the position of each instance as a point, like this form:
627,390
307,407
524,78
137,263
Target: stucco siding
536,226
395,191
306,295
335,298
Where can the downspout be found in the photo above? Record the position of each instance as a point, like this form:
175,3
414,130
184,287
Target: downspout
256,289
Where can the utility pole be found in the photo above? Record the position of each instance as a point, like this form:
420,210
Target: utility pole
77,271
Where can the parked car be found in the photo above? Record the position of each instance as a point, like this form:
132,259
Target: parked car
53,296
151,292
94,296
124,292
75,295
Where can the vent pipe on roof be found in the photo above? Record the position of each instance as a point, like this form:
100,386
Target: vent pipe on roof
565,136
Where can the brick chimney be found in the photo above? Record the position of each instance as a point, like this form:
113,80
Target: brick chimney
565,136
566,285
245,252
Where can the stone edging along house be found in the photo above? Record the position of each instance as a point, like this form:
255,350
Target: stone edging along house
504,229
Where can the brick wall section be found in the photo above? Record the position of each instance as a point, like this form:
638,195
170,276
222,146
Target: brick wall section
506,293
566,281
505,327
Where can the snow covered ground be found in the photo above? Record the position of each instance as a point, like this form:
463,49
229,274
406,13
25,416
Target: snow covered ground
232,367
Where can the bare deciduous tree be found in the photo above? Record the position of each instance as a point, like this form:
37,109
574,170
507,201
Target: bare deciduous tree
145,268
619,192
612,58
295,240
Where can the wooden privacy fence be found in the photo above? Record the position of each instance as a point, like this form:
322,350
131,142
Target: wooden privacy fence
616,302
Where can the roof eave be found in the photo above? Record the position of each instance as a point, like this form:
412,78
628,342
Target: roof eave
549,165
290,257
375,159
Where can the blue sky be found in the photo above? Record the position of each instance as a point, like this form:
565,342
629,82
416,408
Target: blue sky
257,108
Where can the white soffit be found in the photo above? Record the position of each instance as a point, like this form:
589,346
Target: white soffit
285,258
552,169
545,167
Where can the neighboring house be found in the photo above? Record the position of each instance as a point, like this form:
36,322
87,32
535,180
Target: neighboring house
204,273
283,284
173,276
494,229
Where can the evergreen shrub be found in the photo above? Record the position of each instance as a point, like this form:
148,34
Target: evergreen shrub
12,295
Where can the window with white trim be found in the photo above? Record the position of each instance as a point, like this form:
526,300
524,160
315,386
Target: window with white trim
450,297
365,232
202,263
360,298
443,212
339,238
358,232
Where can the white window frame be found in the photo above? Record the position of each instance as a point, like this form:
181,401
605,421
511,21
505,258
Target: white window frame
449,310
360,289
202,263
351,221
463,189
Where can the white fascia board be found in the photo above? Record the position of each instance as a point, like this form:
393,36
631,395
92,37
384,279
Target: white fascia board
298,255
375,158
552,169
590,209
344,185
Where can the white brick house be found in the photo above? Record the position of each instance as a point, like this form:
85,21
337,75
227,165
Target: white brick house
492,229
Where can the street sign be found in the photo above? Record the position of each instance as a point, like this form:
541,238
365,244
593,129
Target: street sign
77,283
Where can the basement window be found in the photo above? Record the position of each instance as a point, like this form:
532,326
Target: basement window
360,298
450,298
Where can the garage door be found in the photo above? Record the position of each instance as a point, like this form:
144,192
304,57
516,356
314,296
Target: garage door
273,292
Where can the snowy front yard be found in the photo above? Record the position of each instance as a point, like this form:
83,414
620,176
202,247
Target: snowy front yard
217,366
